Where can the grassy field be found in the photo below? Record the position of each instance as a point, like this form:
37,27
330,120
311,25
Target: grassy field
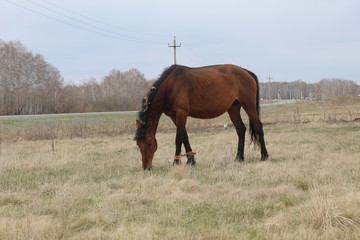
89,185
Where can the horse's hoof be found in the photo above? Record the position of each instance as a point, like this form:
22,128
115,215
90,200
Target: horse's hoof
191,161
264,157
176,162
239,159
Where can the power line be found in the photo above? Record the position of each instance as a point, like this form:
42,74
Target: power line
101,22
131,38
55,19
192,57
87,27
79,21
72,18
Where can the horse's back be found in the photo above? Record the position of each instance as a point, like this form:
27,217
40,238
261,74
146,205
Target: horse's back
208,92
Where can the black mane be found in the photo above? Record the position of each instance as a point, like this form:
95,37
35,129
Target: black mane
143,114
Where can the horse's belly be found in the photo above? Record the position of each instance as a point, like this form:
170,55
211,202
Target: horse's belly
208,110
205,115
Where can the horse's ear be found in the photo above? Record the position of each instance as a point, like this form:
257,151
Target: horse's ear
137,124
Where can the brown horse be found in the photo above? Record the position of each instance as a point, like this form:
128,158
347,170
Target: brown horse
205,92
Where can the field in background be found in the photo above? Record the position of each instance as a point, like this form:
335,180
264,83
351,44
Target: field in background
82,179
63,126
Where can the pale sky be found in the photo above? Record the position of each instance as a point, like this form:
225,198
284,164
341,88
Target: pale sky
288,39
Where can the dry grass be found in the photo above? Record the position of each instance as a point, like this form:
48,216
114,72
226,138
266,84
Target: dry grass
94,188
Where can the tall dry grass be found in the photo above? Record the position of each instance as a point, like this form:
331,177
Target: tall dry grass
94,187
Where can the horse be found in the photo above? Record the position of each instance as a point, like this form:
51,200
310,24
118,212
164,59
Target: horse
204,92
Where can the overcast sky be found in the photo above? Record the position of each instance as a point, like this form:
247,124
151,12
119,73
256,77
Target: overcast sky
288,39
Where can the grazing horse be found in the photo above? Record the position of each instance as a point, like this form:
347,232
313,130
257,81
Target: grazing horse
204,92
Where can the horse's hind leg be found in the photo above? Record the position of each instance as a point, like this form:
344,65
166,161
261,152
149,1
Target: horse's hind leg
257,133
234,113
264,153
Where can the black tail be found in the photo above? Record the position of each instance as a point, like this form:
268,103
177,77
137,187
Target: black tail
253,133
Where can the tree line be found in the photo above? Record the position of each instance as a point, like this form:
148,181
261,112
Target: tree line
30,85
324,89
118,91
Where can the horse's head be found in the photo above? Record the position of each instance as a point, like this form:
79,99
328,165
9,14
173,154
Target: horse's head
147,146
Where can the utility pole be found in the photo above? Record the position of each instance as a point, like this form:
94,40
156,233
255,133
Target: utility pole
269,78
174,46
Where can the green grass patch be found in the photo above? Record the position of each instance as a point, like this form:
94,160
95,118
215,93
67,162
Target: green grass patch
32,178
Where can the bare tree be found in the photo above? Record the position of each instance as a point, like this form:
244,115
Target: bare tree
122,90
28,84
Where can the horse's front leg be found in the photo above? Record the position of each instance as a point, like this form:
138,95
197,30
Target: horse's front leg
189,152
178,142
182,138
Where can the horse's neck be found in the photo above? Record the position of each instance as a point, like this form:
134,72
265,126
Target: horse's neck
153,124
154,115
